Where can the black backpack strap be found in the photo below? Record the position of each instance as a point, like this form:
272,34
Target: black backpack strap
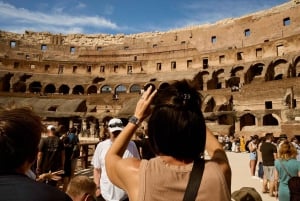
194,180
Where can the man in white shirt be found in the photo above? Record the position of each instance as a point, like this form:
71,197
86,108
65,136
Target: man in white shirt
106,191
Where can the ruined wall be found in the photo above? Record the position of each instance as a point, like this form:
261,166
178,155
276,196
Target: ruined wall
236,63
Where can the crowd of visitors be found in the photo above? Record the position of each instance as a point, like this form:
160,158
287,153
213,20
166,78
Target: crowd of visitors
171,148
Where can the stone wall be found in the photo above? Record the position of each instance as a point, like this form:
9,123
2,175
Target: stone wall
247,69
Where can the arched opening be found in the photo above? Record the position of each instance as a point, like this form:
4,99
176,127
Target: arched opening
198,80
210,105
281,69
247,120
78,89
269,120
120,89
35,87
253,71
135,88
106,89
216,81
50,88
64,89
5,82
297,67
92,89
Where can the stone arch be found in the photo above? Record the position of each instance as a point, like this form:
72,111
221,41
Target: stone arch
281,69
135,88
121,88
50,88
253,72
209,104
216,81
64,89
106,89
270,120
247,119
297,67
92,89
5,82
35,87
234,81
199,80
288,99
78,89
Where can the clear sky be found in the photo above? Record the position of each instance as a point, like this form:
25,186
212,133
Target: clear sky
120,16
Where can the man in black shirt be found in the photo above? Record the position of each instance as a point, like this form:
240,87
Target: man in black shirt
269,154
51,155
20,133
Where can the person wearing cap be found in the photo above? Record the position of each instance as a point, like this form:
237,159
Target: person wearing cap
51,154
105,189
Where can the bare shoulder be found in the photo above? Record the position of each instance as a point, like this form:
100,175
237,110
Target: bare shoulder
128,174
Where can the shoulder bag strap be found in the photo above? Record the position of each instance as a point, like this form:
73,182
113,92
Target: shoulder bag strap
194,180
284,168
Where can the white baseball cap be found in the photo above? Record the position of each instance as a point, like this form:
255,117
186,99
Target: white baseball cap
115,125
50,127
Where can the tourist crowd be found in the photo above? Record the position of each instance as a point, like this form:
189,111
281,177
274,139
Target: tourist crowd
174,145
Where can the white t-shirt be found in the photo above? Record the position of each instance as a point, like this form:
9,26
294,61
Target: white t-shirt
108,190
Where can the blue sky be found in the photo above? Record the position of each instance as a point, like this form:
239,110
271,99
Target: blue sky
120,16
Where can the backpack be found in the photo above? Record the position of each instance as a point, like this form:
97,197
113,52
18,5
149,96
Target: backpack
74,142
76,151
246,194
294,187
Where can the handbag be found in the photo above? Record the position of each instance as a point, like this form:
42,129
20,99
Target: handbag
293,184
194,180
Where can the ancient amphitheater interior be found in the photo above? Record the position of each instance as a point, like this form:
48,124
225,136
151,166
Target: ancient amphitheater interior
247,70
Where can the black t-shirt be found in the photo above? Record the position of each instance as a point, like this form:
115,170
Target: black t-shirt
52,148
17,187
267,153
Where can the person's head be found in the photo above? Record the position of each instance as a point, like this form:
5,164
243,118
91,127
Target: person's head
176,126
255,138
20,134
51,130
115,126
82,188
287,151
295,140
269,136
282,137
73,130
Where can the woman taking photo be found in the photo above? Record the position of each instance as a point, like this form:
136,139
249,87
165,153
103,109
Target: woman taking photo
178,135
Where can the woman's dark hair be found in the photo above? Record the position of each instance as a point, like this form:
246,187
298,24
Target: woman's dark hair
20,134
177,126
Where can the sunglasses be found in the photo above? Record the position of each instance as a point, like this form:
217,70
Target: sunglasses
115,125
